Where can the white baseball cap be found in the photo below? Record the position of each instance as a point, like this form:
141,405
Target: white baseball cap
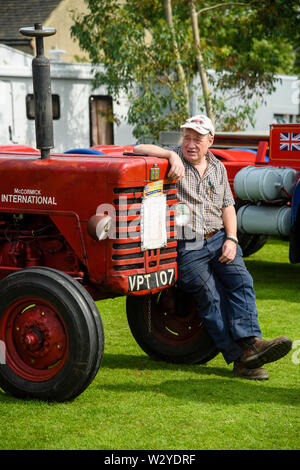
200,123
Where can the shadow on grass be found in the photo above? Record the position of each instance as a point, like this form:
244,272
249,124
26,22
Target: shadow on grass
140,362
276,273
275,277
215,384
213,391
6,398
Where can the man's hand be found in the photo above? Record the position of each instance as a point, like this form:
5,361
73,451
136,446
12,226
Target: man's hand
177,168
228,252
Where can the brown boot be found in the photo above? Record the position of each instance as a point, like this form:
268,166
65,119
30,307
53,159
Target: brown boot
251,374
261,352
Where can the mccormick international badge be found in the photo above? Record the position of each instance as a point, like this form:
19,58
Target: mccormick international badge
153,189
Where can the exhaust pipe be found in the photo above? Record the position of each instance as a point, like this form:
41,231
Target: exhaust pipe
41,89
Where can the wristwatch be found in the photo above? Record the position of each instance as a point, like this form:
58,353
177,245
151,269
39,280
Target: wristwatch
234,239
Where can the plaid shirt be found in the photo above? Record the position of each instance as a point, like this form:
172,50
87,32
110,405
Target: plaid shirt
205,196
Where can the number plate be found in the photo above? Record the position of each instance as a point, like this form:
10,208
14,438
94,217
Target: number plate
139,282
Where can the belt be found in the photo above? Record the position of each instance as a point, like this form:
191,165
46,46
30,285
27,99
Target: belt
208,235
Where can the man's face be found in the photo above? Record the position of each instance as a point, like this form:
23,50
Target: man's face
195,145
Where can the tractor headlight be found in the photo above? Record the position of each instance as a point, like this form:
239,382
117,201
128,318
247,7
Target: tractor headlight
98,226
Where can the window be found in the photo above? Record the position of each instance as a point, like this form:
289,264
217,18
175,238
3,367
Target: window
286,118
30,112
101,120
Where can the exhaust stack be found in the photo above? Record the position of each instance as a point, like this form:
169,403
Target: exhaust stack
41,89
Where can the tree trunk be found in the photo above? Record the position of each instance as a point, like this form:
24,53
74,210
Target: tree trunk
180,71
199,60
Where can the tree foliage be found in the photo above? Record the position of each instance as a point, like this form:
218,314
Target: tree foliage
246,43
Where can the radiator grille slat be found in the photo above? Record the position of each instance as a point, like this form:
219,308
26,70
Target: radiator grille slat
126,249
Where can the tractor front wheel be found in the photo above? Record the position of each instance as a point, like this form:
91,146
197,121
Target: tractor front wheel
51,335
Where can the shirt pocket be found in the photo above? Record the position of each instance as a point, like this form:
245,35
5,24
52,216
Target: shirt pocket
215,193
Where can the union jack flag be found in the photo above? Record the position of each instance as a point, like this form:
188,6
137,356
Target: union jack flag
290,141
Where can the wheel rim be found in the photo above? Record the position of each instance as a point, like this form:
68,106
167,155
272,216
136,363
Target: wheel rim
171,321
35,338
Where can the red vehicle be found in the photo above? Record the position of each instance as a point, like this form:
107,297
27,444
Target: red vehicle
75,228
267,189
97,223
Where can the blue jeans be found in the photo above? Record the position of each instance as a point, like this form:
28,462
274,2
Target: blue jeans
224,293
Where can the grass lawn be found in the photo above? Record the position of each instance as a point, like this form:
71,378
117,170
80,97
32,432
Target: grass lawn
136,403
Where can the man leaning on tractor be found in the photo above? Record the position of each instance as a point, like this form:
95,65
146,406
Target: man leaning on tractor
210,261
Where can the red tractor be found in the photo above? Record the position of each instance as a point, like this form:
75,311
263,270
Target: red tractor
83,226
76,228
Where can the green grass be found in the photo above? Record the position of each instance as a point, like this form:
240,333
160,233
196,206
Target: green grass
136,403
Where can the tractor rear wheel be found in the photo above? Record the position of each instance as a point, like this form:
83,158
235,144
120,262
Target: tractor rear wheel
51,333
167,327
250,244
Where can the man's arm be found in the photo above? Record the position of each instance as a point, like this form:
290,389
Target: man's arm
176,166
230,226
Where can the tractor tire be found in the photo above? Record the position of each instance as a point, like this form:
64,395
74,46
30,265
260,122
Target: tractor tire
52,335
96,316
167,327
250,244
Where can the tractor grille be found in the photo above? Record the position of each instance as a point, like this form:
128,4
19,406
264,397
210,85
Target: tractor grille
126,247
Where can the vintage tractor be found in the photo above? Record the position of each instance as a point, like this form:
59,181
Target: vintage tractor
76,228
265,184
267,191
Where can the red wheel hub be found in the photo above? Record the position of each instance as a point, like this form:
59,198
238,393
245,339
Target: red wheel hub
36,340
171,321
32,340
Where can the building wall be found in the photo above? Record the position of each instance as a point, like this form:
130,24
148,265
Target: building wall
282,106
72,83
62,19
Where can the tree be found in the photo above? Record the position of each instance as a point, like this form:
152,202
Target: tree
179,67
135,44
153,50
200,62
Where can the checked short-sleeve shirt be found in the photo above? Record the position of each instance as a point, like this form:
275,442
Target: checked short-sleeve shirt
205,196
